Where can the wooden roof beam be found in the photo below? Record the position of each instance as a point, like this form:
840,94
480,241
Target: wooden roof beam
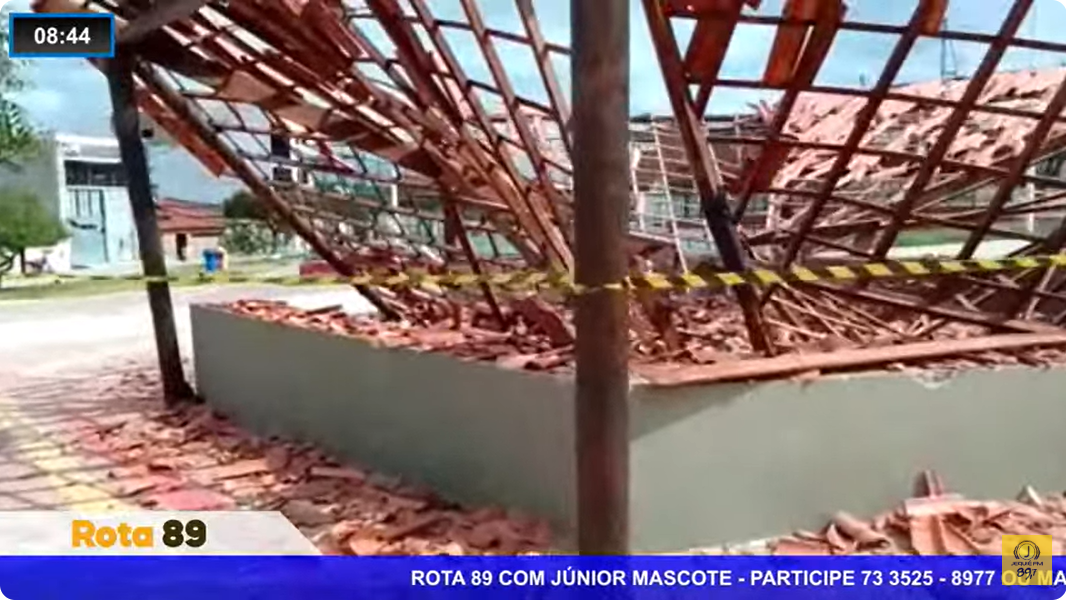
162,13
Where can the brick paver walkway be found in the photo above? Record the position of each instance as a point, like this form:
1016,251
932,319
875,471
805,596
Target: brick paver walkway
102,440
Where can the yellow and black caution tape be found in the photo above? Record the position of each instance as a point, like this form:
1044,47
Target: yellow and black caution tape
711,280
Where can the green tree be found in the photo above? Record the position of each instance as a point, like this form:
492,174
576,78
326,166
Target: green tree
18,140
24,224
24,221
252,228
246,237
243,205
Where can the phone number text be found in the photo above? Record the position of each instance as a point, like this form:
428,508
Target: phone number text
700,578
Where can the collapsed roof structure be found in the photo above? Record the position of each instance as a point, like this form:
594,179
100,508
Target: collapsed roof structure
409,133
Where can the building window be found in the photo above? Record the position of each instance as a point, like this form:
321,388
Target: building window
86,203
83,173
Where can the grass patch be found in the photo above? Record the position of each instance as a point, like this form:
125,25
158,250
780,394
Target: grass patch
51,288
58,288
76,288
928,238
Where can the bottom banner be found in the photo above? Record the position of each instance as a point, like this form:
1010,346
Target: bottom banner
528,577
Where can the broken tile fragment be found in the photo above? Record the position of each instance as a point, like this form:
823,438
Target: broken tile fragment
360,546
331,472
235,470
801,547
345,509
191,499
306,513
138,485
937,524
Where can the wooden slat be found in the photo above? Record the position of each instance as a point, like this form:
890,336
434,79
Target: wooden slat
162,13
785,365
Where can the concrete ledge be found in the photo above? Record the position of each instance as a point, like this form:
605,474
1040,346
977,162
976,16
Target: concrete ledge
710,464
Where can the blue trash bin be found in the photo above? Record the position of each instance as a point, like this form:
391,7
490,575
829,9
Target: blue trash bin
212,259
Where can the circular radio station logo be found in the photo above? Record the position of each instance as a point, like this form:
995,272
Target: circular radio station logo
1027,560
1027,550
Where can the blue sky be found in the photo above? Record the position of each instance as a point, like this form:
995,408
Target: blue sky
70,96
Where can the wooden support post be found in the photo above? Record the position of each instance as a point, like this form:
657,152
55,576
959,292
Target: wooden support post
126,122
600,34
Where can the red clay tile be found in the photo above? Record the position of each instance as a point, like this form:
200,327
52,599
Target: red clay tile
277,458
797,547
238,469
864,535
412,525
365,547
306,513
929,506
191,499
368,507
839,543
139,485
332,472
958,542
924,535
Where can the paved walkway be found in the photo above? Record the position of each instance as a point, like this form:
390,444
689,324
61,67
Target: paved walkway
38,470
83,427
59,361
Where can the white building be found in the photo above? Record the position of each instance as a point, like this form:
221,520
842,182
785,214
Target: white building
82,181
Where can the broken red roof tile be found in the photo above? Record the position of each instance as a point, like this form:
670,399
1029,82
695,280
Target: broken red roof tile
207,464
190,499
712,347
241,468
938,524
329,472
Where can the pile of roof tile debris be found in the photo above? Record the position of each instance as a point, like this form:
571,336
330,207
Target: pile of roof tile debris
541,339
193,459
906,126
936,522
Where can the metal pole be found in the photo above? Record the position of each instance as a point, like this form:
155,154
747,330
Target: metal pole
600,42
127,122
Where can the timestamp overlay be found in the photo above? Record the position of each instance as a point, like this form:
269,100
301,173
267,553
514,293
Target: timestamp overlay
61,35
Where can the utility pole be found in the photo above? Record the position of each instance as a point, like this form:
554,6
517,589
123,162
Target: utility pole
126,122
600,124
